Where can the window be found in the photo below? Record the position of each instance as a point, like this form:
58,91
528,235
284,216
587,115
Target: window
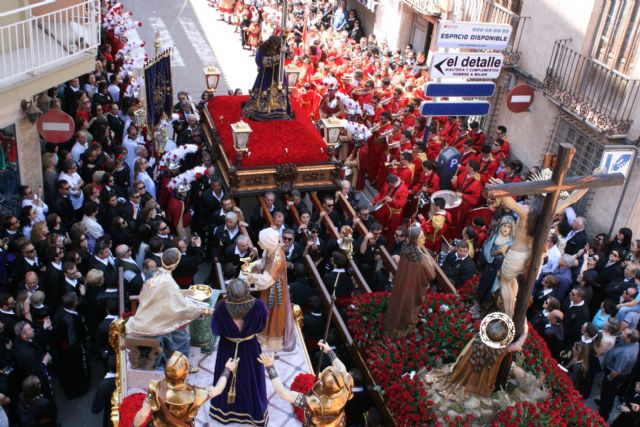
588,152
616,39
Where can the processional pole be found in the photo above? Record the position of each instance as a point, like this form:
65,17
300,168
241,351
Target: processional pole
283,42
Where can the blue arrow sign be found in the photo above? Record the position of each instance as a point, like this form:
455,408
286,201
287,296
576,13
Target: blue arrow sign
466,89
454,108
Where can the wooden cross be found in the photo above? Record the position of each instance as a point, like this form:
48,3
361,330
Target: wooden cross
552,188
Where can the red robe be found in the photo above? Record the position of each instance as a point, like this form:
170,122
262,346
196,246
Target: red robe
471,189
467,156
390,214
488,168
176,211
478,138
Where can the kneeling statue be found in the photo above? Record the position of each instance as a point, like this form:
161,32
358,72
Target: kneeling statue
325,402
172,402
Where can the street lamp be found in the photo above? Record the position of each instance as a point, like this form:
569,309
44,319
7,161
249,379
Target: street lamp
292,73
332,127
32,112
241,133
212,78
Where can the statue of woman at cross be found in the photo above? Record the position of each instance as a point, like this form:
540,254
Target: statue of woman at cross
527,227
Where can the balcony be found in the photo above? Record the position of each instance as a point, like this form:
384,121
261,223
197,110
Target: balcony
46,36
491,11
428,7
599,96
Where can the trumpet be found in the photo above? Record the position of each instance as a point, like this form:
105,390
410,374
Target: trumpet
375,127
392,164
386,133
385,101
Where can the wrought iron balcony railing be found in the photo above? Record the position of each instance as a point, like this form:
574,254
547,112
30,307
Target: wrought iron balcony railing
34,41
598,95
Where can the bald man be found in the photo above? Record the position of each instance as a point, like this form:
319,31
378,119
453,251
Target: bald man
131,271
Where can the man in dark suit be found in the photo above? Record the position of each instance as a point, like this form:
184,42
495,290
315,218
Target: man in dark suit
115,122
225,235
302,290
30,358
458,265
339,277
100,261
28,262
258,219
553,332
293,252
7,314
155,249
328,206
211,200
575,315
53,279
577,237
62,205
131,210
132,274
313,322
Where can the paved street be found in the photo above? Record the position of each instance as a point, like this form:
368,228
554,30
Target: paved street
199,39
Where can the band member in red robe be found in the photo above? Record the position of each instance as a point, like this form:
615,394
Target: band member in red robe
378,145
476,135
388,204
469,188
435,227
468,153
428,182
488,164
405,169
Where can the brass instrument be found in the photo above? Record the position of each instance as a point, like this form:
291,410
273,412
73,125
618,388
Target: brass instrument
392,164
386,133
385,101
375,127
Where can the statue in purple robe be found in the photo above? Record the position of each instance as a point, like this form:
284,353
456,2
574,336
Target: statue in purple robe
269,97
237,321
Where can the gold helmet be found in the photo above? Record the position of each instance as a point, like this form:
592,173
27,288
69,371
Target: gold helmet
177,369
331,381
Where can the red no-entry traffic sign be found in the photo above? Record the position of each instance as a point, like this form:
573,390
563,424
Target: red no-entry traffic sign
56,126
520,98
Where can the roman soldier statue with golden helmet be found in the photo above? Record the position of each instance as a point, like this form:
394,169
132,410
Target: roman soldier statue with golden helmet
324,404
172,401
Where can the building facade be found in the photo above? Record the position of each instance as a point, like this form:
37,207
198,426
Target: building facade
43,43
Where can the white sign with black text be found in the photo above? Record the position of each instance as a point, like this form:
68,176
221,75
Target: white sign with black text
473,35
466,65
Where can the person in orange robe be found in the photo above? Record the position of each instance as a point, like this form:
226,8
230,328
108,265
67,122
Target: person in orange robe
269,276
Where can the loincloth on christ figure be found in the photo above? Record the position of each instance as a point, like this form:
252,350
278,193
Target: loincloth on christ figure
515,262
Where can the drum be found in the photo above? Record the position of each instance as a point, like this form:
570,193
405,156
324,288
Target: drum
451,198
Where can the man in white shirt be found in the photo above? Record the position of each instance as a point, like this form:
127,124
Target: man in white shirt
79,147
553,255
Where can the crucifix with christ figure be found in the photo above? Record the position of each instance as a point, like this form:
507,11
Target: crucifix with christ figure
533,225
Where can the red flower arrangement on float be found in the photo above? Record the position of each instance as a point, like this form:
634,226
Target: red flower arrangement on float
302,383
443,331
129,407
281,141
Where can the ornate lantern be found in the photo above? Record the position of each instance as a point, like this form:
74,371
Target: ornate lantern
332,127
292,72
160,140
212,78
241,133
140,117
